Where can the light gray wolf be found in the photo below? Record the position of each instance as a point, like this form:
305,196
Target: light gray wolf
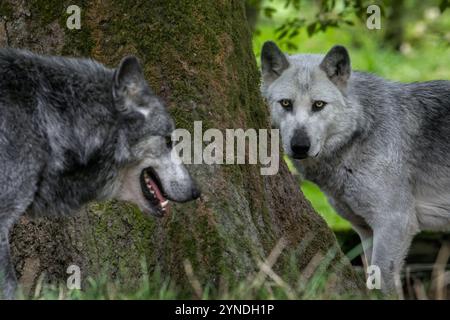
73,131
379,149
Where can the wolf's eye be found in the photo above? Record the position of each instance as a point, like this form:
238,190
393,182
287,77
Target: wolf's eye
286,103
318,105
169,142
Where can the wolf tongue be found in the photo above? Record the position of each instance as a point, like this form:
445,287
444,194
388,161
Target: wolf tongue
158,193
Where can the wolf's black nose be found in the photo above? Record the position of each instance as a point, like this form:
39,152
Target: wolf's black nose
300,144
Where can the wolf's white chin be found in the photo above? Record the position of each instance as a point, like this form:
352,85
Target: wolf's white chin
315,152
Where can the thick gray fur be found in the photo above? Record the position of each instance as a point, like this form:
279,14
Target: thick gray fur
73,131
379,149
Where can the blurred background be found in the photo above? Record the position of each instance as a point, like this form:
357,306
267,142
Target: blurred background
412,44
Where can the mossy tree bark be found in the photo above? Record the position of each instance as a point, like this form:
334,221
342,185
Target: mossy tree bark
197,56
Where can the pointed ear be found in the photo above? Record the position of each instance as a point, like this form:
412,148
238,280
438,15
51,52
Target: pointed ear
128,77
273,62
336,65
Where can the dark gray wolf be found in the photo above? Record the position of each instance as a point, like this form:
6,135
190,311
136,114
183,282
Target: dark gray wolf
379,149
73,131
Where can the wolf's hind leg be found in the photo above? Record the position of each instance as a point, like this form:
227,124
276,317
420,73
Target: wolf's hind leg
8,281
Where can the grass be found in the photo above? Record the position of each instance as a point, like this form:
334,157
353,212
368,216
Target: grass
313,283
151,287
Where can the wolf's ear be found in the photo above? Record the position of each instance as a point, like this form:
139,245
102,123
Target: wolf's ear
336,65
273,62
128,77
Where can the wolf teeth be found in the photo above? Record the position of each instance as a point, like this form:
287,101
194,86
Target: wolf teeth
165,203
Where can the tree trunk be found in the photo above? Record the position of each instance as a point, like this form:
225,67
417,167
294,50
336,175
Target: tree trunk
197,56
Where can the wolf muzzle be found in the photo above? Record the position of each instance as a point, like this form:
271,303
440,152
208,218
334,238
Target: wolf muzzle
300,144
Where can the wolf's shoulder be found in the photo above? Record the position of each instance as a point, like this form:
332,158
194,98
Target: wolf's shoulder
11,53
28,79
430,88
21,59
364,83
370,89
10,57
365,78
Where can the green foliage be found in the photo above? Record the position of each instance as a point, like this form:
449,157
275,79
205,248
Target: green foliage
297,15
424,55
444,5
290,17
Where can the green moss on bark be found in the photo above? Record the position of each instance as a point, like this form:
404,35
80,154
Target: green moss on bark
46,11
6,10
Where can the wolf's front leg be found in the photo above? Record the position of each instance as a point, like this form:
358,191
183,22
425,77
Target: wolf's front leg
8,281
391,242
366,236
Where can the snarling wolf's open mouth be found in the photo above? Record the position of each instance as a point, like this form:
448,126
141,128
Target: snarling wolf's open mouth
153,191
